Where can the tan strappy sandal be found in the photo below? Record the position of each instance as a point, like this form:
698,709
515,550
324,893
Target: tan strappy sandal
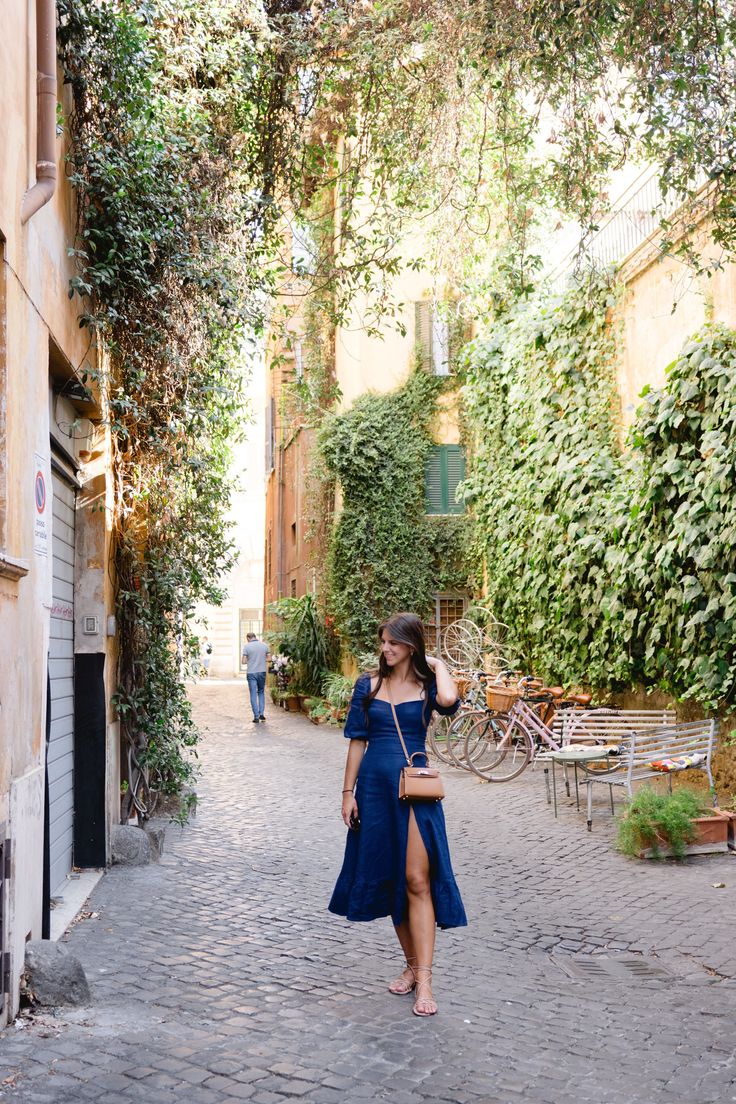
424,1006
402,985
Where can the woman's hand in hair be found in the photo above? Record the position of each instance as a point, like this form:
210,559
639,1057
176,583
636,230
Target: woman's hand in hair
446,688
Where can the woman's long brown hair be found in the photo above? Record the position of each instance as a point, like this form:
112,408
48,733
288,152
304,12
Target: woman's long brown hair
404,628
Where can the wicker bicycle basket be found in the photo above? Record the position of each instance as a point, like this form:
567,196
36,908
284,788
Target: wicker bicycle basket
462,684
501,698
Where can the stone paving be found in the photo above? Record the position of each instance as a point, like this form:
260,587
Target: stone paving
218,975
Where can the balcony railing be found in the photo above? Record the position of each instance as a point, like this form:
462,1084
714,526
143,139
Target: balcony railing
636,216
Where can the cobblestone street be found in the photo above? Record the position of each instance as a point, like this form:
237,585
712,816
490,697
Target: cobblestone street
218,975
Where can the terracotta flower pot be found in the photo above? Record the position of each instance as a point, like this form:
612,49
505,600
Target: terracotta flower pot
731,828
711,835
292,704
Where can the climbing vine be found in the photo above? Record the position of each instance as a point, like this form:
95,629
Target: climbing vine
678,568
540,404
610,567
386,554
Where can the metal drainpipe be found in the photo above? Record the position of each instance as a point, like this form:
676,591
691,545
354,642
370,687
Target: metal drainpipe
41,192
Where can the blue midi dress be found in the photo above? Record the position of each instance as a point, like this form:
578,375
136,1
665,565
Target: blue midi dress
372,882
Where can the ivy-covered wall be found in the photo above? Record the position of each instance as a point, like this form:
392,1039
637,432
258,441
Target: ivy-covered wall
612,567
385,553
540,404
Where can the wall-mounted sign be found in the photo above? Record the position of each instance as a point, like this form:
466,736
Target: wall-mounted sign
41,510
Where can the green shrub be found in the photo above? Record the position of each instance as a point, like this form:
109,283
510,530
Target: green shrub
652,818
307,639
338,690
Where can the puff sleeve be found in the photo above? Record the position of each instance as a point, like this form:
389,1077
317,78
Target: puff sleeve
445,710
356,725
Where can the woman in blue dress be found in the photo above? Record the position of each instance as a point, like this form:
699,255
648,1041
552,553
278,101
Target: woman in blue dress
397,861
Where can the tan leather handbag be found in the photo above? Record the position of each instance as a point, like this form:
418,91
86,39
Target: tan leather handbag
416,783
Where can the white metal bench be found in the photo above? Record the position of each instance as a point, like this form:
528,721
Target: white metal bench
638,750
606,725
600,726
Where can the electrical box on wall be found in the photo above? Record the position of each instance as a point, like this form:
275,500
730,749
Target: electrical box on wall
90,626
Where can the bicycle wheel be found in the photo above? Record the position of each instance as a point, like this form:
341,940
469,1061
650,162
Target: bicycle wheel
437,737
462,643
506,748
477,747
457,747
143,796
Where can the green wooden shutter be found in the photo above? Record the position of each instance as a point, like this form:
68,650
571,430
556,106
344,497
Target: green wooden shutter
444,469
433,482
423,333
455,468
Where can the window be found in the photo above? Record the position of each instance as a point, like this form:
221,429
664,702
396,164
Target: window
447,608
438,333
444,469
270,434
298,360
293,588
303,249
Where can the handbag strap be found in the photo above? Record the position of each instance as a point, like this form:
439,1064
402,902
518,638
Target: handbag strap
398,726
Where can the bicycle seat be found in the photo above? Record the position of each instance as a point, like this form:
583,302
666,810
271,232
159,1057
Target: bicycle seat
580,699
554,692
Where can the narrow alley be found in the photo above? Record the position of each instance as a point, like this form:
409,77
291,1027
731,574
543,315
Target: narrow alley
219,976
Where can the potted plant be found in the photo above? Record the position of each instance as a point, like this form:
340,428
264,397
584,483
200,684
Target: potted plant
307,638
730,812
337,689
318,710
657,825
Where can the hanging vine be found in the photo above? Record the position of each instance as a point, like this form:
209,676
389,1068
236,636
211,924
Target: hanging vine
168,249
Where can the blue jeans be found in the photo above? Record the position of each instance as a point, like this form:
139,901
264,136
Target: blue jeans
257,687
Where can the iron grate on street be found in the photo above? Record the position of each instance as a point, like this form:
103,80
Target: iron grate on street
613,967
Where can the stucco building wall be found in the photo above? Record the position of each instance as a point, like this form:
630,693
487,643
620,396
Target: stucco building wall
363,362
665,302
41,347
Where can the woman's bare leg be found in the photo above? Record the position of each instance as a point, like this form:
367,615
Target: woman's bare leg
404,983
421,921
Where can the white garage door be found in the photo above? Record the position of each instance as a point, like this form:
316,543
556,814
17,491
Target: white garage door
61,680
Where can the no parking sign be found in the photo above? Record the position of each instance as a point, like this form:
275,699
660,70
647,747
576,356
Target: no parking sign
40,506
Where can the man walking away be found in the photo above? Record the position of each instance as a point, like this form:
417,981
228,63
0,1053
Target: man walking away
255,654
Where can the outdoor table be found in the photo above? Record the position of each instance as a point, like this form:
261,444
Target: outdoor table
571,756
